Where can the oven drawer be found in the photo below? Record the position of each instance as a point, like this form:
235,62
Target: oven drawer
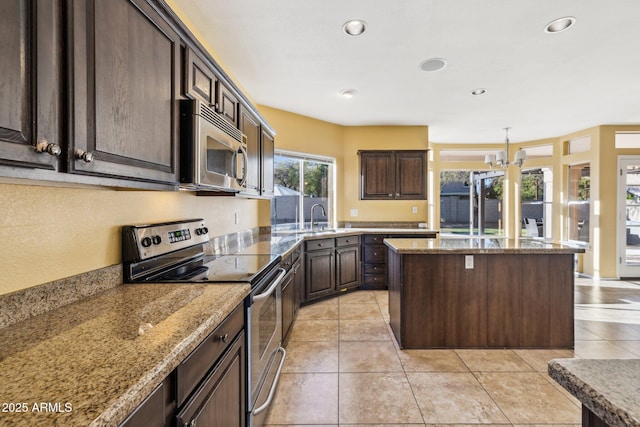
201,360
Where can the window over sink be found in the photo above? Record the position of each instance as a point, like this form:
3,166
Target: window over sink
301,182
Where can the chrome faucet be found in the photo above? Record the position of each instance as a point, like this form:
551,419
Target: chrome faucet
324,213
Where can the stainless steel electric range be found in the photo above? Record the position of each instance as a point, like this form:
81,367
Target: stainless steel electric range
173,252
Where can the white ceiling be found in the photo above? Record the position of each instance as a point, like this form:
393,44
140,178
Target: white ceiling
293,55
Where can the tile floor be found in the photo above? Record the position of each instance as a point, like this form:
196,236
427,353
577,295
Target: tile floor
343,367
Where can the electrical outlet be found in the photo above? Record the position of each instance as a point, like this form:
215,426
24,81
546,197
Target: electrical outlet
414,209
354,212
468,262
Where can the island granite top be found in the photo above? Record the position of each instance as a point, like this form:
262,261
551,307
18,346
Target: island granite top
477,245
610,388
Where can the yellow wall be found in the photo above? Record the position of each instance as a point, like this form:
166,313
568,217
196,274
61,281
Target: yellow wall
306,135
68,231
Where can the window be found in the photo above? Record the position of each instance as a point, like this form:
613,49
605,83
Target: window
536,202
579,202
300,182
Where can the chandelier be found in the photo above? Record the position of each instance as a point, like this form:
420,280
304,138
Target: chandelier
502,157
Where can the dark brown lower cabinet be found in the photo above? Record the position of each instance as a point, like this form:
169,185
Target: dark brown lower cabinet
347,263
320,273
504,301
220,400
157,410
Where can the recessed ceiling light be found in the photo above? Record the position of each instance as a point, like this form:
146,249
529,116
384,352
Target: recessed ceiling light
355,27
479,91
559,24
348,93
433,64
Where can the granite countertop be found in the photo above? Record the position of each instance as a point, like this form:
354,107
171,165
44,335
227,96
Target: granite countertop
610,388
97,359
477,245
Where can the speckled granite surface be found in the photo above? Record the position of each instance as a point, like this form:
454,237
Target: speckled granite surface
26,303
610,388
98,358
462,245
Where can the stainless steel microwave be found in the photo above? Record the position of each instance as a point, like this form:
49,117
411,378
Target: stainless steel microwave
213,153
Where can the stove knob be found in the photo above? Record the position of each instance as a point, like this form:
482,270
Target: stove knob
157,240
146,242
204,230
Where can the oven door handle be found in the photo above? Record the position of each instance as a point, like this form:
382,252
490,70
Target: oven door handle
272,390
266,294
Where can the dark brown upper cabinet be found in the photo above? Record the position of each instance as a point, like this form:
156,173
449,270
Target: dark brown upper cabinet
199,79
393,175
30,82
227,103
267,158
250,128
124,68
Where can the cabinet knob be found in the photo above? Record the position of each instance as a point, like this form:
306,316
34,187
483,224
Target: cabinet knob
397,194
390,195
44,146
224,338
85,156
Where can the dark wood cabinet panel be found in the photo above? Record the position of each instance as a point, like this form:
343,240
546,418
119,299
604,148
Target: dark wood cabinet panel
220,400
378,175
199,80
467,290
319,273
227,103
30,85
504,301
347,267
288,304
393,175
267,161
411,175
157,410
124,79
250,127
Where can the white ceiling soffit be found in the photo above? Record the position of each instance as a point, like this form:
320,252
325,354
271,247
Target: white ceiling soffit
293,55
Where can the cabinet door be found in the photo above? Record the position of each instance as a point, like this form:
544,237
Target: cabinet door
347,267
267,152
220,401
199,80
319,273
227,104
411,173
288,304
30,83
377,171
124,79
250,127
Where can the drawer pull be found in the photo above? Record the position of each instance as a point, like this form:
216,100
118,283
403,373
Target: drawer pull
223,338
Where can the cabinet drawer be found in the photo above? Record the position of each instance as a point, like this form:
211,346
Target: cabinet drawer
374,253
198,363
295,255
369,279
314,245
287,261
347,241
373,239
374,269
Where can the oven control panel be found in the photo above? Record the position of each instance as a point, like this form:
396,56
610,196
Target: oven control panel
141,242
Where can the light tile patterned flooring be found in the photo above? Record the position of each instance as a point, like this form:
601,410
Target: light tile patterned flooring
344,368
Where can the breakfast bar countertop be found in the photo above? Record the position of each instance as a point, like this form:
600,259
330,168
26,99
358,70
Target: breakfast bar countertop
477,245
609,388
94,361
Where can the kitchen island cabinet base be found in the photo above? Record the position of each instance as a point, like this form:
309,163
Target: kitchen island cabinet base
487,301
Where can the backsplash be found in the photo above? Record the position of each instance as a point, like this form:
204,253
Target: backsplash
29,302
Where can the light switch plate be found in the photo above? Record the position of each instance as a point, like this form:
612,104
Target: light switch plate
468,262
354,212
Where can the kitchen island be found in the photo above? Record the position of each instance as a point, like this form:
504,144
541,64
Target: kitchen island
454,292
